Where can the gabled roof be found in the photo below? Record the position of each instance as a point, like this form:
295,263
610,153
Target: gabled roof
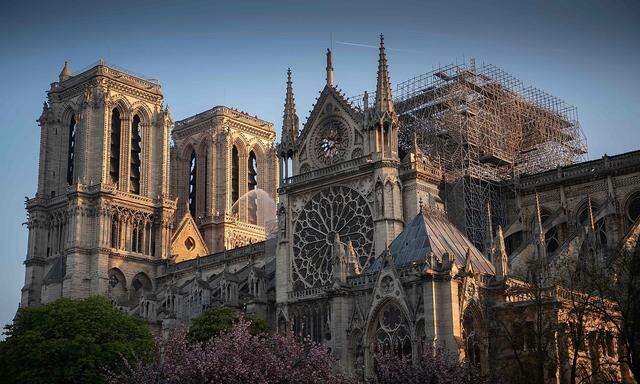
187,229
328,91
432,232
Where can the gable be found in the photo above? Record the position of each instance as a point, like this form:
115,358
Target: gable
187,242
332,114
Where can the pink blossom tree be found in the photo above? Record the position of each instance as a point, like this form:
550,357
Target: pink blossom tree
235,357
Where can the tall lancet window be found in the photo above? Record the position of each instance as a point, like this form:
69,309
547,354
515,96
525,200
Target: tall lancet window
136,152
193,169
114,157
235,175
71,152
252,174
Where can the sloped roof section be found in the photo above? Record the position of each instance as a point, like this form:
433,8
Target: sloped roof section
432,232
57,272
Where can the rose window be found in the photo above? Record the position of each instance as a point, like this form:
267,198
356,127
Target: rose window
335,210
332,141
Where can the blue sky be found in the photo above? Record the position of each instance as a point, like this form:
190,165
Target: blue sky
236,54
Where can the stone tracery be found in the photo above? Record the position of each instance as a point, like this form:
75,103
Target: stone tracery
333,211
392,332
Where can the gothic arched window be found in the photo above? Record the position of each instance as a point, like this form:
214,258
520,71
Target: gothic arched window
71,149
114,157
235,175
392,334
584,218
633,208
252,174
193,169
471,340
115,232
136,152
551,236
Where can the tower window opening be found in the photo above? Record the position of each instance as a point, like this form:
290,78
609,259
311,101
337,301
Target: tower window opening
114,158
71,150
136,151
206,181
115,232
289,167
193,168
235,176
251,185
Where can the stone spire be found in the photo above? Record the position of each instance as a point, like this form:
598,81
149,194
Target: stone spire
382,120
65,73
289,119
384,99
329,68
500,258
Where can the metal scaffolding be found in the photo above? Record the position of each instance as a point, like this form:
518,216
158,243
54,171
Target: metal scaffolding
484,128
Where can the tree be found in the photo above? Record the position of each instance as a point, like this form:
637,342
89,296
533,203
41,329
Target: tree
71,341
236,356
436,366
211,322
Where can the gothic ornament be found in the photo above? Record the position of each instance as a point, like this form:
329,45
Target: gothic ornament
335,210
332,141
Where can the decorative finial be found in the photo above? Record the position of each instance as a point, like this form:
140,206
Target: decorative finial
384,99
329,68
65,73
290,118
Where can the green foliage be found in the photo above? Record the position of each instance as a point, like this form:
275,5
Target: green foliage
213,321
71,341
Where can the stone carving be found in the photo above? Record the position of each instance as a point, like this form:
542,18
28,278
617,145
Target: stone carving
336,210
331,142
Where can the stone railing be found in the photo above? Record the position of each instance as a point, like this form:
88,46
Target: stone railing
228,255
430,170
523,294
330,170
582,170
362,280
306,293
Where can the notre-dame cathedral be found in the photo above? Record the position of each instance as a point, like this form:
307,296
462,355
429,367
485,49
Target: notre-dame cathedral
393,221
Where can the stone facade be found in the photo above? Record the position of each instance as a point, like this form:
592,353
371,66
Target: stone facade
364,254
223,170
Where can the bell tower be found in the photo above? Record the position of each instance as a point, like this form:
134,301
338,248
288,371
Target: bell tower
101,216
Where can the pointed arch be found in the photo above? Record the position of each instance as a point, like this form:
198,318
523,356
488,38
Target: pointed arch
205,161
252,184
473,335
136,145
389,328
631,211
117,285
71,147
193,182
142,110
115,130
141,284
235,174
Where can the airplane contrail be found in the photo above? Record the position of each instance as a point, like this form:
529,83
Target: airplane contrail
375,47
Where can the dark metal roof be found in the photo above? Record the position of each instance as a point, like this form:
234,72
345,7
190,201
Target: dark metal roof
432,232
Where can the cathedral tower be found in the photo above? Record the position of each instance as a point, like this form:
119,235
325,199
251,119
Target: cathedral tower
224,174
101,217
